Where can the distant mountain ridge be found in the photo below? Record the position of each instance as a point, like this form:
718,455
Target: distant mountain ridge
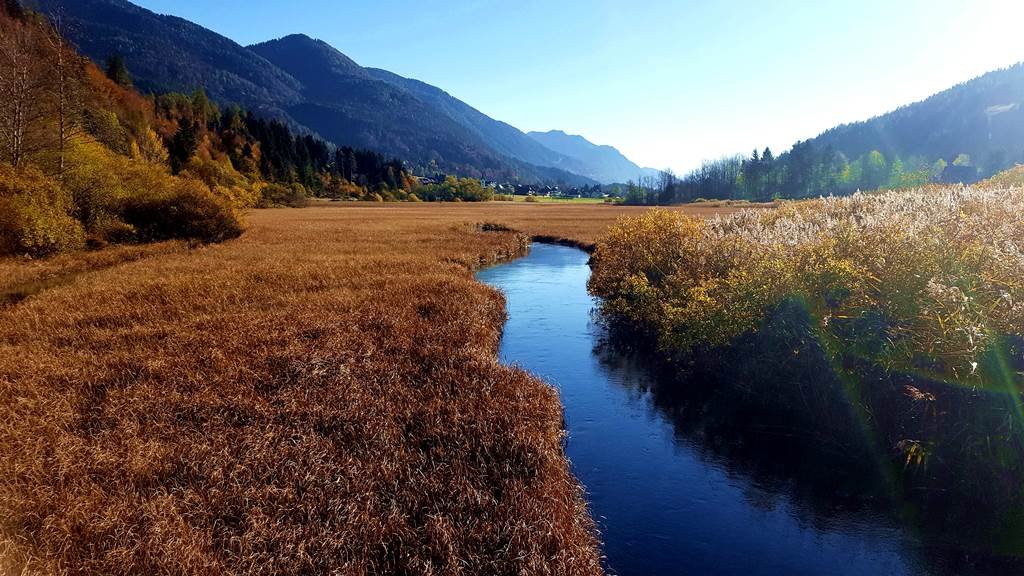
602,163
982,118
315,88
167,52
503,137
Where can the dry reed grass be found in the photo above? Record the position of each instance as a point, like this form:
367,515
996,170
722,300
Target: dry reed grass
920,279
319,396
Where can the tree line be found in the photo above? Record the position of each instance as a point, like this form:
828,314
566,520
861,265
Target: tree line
805,171
269,149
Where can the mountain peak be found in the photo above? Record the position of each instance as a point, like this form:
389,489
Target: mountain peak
306,53
313,87
298,37
296,41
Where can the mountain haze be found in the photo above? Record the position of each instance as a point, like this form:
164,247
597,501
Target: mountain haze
982,118
602,163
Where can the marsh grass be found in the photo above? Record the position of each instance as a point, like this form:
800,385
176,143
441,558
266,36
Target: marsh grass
1006,179
321,395
925,280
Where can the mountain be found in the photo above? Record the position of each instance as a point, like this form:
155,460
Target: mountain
313,87
168,53
961,135
502,137
602,163
982,118
345,104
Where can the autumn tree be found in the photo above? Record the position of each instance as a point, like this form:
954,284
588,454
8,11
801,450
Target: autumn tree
40,91
67,74
24,91
875,170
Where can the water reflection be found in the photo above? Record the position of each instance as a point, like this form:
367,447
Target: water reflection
701,477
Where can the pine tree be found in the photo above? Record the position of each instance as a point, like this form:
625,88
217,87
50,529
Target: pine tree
183,146
117,71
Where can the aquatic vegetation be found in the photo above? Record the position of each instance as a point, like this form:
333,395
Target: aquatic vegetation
927,280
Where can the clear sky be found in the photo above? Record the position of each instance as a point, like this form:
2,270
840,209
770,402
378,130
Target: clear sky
668,82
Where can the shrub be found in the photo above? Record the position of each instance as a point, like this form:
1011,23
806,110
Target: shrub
492,227
532,199
222,178
188,211
35,214
118,199
455,189
293,196
98,179
110,229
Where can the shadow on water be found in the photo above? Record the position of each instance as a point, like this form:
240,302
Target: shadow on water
766,458
775,412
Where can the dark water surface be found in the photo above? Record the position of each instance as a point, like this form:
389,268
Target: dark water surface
673,495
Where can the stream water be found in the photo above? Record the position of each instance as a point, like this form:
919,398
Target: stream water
671,494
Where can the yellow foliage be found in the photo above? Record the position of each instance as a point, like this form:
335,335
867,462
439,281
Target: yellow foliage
102,184
151,148
1011,177
35,214
224,180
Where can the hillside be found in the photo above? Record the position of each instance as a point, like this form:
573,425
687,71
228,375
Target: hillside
93,162
981,118
962,135
504,138
311,86
345,105
602,163
171,54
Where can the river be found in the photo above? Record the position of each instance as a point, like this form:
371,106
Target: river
672,495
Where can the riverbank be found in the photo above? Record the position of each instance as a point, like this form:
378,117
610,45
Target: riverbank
885,328
758,497
320,395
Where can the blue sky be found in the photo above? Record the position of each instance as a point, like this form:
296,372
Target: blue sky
670,83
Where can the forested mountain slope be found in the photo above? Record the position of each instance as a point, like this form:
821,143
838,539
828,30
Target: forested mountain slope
982,118
311,86
961,135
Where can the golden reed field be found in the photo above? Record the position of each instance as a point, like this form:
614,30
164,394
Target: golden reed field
321,395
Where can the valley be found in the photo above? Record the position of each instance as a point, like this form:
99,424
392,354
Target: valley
196,408
271,307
